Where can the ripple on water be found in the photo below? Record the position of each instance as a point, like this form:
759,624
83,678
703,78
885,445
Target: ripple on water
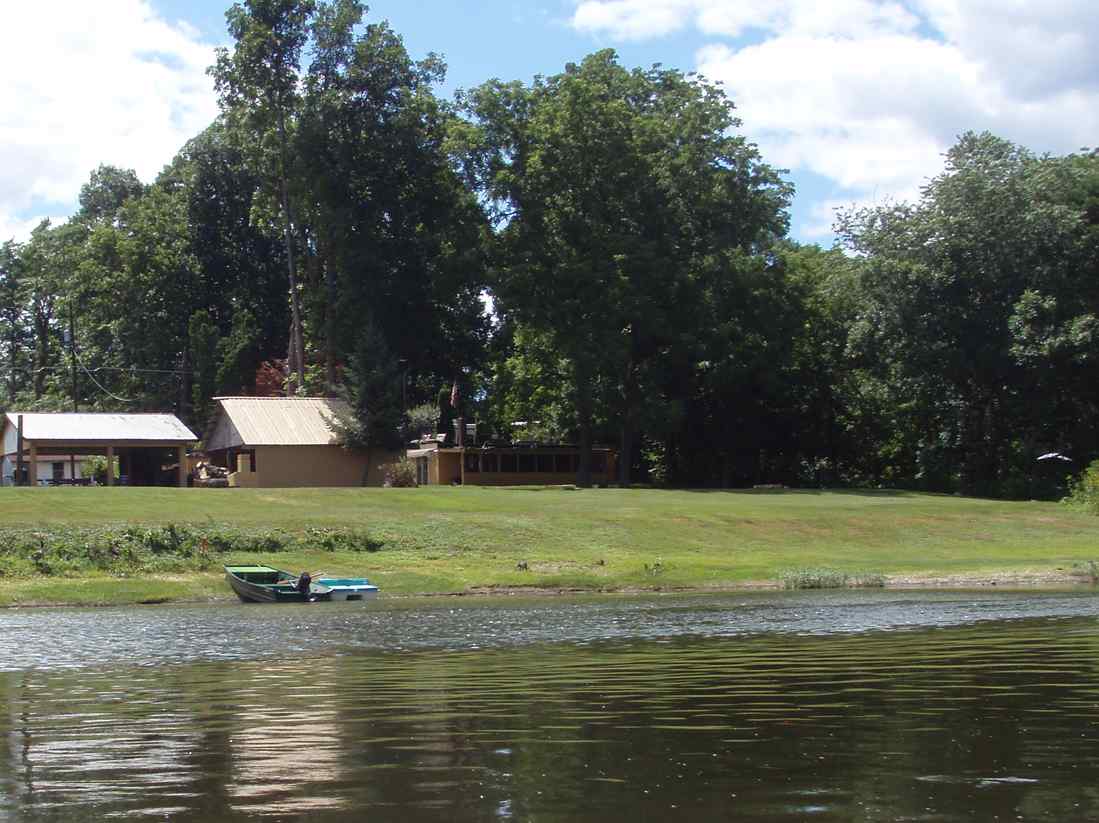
320,717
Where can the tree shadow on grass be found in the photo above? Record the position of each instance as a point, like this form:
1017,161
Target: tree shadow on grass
817,492
752,492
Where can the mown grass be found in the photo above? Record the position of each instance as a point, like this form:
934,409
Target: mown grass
456,539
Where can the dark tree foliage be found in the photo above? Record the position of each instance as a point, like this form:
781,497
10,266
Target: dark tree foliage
238,356
14,333
394,234
623,201
374,396
203,343
240,260
980,317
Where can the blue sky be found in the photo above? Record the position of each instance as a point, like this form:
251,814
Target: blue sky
857,98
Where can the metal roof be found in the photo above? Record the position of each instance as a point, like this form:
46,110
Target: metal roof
67,427
273,421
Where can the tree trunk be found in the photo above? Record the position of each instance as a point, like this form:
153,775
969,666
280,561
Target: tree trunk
631,395
978,467
583,418
292,371
296,355
329,326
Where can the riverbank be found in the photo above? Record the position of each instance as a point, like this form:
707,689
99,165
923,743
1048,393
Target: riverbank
76,546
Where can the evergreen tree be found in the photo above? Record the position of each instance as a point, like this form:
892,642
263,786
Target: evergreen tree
376,418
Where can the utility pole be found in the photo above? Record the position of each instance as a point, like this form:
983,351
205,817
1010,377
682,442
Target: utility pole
19,451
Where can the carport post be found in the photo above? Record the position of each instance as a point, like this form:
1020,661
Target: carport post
33,468
182,476
110,465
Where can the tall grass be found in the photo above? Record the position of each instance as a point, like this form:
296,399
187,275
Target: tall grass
824,578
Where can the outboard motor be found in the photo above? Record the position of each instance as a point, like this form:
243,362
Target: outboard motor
304,583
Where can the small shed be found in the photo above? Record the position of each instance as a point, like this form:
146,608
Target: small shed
278,442
151,448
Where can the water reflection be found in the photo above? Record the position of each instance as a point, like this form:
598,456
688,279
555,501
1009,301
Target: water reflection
977,722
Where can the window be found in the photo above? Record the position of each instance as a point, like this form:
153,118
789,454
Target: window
566,463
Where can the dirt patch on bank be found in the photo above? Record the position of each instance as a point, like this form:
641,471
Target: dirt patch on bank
1022,580
1008,580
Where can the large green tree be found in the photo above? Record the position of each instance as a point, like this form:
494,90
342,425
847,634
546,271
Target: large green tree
393,232
617,193
258,85
975,296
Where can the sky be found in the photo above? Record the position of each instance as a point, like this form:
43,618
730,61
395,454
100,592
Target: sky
857,99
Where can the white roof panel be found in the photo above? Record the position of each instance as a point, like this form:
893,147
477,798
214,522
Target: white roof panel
273,421
44,426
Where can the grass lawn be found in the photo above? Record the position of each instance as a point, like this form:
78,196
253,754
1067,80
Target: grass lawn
444,539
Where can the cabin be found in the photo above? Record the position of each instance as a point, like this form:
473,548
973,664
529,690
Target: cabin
43,449
282,442
490,463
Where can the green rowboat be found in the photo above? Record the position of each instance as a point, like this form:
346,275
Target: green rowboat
264,584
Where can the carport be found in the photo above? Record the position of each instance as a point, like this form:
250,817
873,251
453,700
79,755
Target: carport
143,443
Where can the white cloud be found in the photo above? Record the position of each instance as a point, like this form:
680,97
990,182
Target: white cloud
863,114
1037,48
89,83
643,19
632,19
870,94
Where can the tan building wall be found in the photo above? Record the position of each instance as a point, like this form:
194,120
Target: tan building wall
448,468
289,466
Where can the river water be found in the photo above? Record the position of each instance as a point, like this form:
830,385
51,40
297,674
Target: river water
837,706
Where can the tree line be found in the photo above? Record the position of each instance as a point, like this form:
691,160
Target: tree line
597,256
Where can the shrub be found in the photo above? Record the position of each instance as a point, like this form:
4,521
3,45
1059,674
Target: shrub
150,549
96,468
336,540
1083,491
401,474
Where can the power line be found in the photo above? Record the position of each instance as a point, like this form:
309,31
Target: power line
97,369
97,383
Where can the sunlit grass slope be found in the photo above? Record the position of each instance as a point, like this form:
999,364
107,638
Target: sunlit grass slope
454,539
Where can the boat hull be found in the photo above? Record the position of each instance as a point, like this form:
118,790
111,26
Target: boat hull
263,584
